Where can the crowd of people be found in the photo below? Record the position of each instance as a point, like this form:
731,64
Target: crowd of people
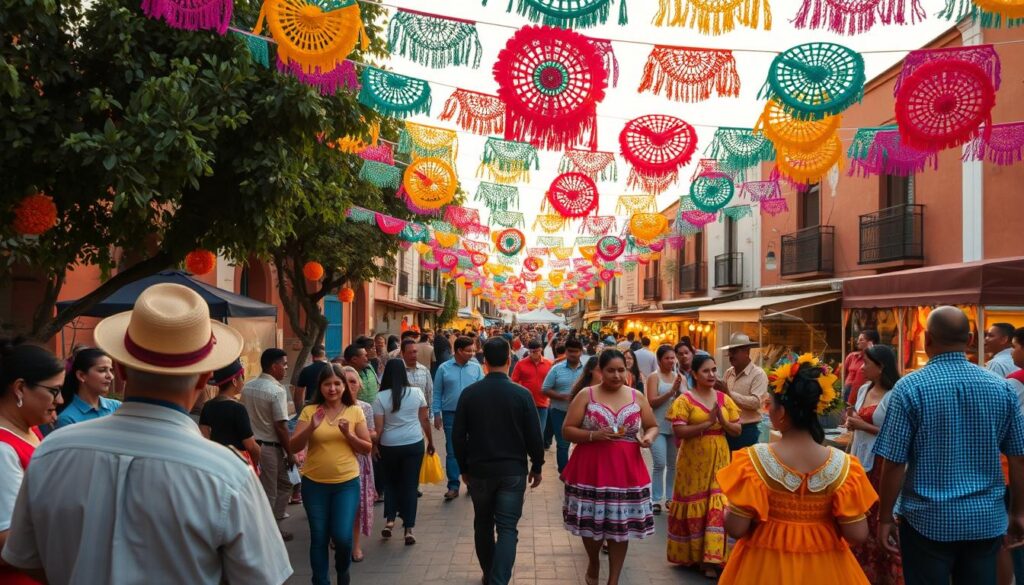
931,490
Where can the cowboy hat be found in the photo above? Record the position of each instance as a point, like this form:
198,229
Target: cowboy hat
168,332
737,340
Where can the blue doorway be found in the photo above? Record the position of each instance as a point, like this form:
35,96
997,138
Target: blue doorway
332,338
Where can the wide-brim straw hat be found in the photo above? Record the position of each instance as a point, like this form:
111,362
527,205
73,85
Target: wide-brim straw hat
168,332
740,340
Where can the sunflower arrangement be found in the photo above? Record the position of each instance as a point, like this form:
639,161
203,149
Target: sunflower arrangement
783,375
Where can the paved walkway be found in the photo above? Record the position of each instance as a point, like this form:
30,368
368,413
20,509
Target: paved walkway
547,555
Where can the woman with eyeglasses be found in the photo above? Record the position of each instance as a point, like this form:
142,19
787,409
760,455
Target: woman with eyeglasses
30,391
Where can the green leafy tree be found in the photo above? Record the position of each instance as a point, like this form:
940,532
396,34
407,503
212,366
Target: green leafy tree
153,142
451,305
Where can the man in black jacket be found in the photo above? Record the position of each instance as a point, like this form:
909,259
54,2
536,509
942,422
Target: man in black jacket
496,427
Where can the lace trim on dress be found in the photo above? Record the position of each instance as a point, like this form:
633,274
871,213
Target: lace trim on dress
774,469
833,472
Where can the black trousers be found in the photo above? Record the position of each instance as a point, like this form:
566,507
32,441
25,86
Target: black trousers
401,468
497,507
931,562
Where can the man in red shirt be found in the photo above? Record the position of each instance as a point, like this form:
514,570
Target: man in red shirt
853,366
530,374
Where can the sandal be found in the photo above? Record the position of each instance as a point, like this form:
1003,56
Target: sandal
592,580
358,559
386,533
409,538
656,509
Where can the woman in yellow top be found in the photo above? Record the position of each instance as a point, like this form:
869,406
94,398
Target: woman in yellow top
795,505
700,420
334,429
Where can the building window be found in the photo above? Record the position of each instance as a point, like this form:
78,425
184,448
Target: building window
730,235
810,206
895,191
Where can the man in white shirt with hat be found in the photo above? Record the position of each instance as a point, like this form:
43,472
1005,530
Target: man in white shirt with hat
747,385
140,496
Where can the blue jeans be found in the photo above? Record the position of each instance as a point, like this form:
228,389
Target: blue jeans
542,414
331,510
451,465
663,452
557,418
497,504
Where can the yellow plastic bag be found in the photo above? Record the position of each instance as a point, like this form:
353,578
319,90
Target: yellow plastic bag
431,470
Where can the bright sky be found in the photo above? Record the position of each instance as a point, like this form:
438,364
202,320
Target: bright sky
623,102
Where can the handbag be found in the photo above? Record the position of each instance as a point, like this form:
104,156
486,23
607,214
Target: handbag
431,470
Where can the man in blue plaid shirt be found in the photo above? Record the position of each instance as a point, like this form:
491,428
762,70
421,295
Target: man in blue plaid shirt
943,433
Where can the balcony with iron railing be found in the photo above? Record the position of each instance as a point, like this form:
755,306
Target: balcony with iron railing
729,271
692,277
893,235
809,252
652,288
429,293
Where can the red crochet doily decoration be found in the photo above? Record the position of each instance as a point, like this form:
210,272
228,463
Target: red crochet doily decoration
387,224
656,146
943,104
573,195
551,81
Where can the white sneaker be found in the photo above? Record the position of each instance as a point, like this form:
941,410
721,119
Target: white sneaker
285,517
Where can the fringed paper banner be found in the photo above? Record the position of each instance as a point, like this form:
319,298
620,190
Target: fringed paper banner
562,252
774,206
508,219
598,225
815,80
737,212
889,156
422,140
475,112
599,166
1004,146
212,15
380,175
573,195
690,75
461,217
853,17
569,13
787,131
344,76
394,95
945,103
316,37
508,161
414,232
551,81
656,147
984,56
990,13
758,190
360,215
805,167
550,223
713,17
738,149
611,64
630,204
259,48
434,41
550,241
497,197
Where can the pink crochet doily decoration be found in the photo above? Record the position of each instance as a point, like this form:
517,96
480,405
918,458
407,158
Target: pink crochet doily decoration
1003,146
758,190
888,155
461,217
389,225
343,76
381,153
774,206
698,218
191,14
656,147
598,225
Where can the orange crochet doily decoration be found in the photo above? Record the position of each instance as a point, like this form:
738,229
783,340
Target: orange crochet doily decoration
317,40
809,166
430,183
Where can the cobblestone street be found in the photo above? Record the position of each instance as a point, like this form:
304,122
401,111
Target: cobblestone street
547,554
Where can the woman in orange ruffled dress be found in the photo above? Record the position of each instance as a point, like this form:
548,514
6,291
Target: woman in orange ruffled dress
696,514
795,506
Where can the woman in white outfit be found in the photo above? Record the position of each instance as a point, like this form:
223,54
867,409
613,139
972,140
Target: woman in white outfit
662,388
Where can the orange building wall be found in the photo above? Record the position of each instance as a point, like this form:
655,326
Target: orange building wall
940,191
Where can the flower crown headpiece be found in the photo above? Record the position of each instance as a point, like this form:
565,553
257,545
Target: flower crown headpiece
782,376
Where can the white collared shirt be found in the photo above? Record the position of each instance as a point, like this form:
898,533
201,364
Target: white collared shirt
141,497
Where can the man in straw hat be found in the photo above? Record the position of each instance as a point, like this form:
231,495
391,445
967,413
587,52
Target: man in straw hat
747,385
140,496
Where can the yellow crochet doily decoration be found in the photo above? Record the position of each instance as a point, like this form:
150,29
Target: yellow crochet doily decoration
429,141
630,204
430,183
315,38
588,251
785,131
550,223
446,239
809,166
421,248
647,226
562,252
556,278
1008,9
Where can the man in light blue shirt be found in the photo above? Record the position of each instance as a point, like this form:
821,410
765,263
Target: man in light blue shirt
451,379
558,387
997,343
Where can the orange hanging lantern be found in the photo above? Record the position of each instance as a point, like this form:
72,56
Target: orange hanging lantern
200,261
313,270
346,295
35,215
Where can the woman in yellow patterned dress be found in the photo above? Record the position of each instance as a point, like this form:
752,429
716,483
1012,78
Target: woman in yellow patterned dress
700,420
795,506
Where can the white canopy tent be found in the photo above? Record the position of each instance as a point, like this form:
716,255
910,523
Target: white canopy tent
540,316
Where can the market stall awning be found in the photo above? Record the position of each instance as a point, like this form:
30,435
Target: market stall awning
409,306
989,282
754,309
540,316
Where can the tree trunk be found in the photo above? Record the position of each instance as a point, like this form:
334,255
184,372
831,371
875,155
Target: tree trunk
301,307
45,327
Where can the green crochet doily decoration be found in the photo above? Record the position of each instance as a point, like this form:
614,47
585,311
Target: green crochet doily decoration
394,95
380,175
863,140
433,41
738,149
815,80
711,192
568,13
